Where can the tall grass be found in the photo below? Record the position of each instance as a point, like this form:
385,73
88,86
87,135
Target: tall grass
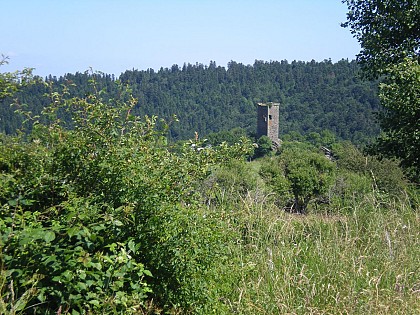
366,261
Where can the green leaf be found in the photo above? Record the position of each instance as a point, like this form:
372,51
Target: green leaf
56,279
81,286
51,258
27,202
73,231
82,275
49,236
118,223
132,246
13,202
41,296
94,302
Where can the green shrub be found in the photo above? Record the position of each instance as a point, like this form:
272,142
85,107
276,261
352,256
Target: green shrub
231,182
264,147
272,170
104,214
385,174
310,175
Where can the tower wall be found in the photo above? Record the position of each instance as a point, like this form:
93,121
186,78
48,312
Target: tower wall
268,121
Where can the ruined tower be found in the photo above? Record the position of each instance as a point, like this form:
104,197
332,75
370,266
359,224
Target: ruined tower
268,121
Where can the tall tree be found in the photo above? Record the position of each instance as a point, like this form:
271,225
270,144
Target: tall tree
400,95
389,34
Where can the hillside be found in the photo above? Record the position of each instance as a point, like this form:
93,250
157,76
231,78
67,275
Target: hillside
208,98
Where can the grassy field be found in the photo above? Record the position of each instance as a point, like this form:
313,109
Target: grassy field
363,261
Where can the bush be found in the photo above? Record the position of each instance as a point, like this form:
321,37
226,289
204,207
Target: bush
385,175
310,175
104,214
273,170
264,147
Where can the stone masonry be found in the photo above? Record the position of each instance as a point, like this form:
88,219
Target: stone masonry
268,121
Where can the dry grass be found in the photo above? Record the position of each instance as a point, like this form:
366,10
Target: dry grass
364,262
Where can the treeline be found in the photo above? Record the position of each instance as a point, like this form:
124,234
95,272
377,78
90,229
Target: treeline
314,96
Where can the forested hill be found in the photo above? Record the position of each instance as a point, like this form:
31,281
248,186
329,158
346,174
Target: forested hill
208,98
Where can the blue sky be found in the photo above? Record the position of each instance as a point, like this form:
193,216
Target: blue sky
58,37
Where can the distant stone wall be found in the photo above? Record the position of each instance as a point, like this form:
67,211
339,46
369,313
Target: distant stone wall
268,121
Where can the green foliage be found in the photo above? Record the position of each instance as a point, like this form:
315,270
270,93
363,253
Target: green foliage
104,214
302,174
310,175
357,255
185,247
264,147
230,183
273,171
326,138
11,302
313,96
106,218
384,175
10,82
400,122
78,266
388,32
389,36
230,137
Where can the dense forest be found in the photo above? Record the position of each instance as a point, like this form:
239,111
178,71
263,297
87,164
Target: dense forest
314,96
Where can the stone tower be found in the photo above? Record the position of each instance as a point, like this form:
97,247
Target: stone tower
268,121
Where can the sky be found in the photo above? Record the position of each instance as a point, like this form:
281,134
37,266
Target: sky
68,36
